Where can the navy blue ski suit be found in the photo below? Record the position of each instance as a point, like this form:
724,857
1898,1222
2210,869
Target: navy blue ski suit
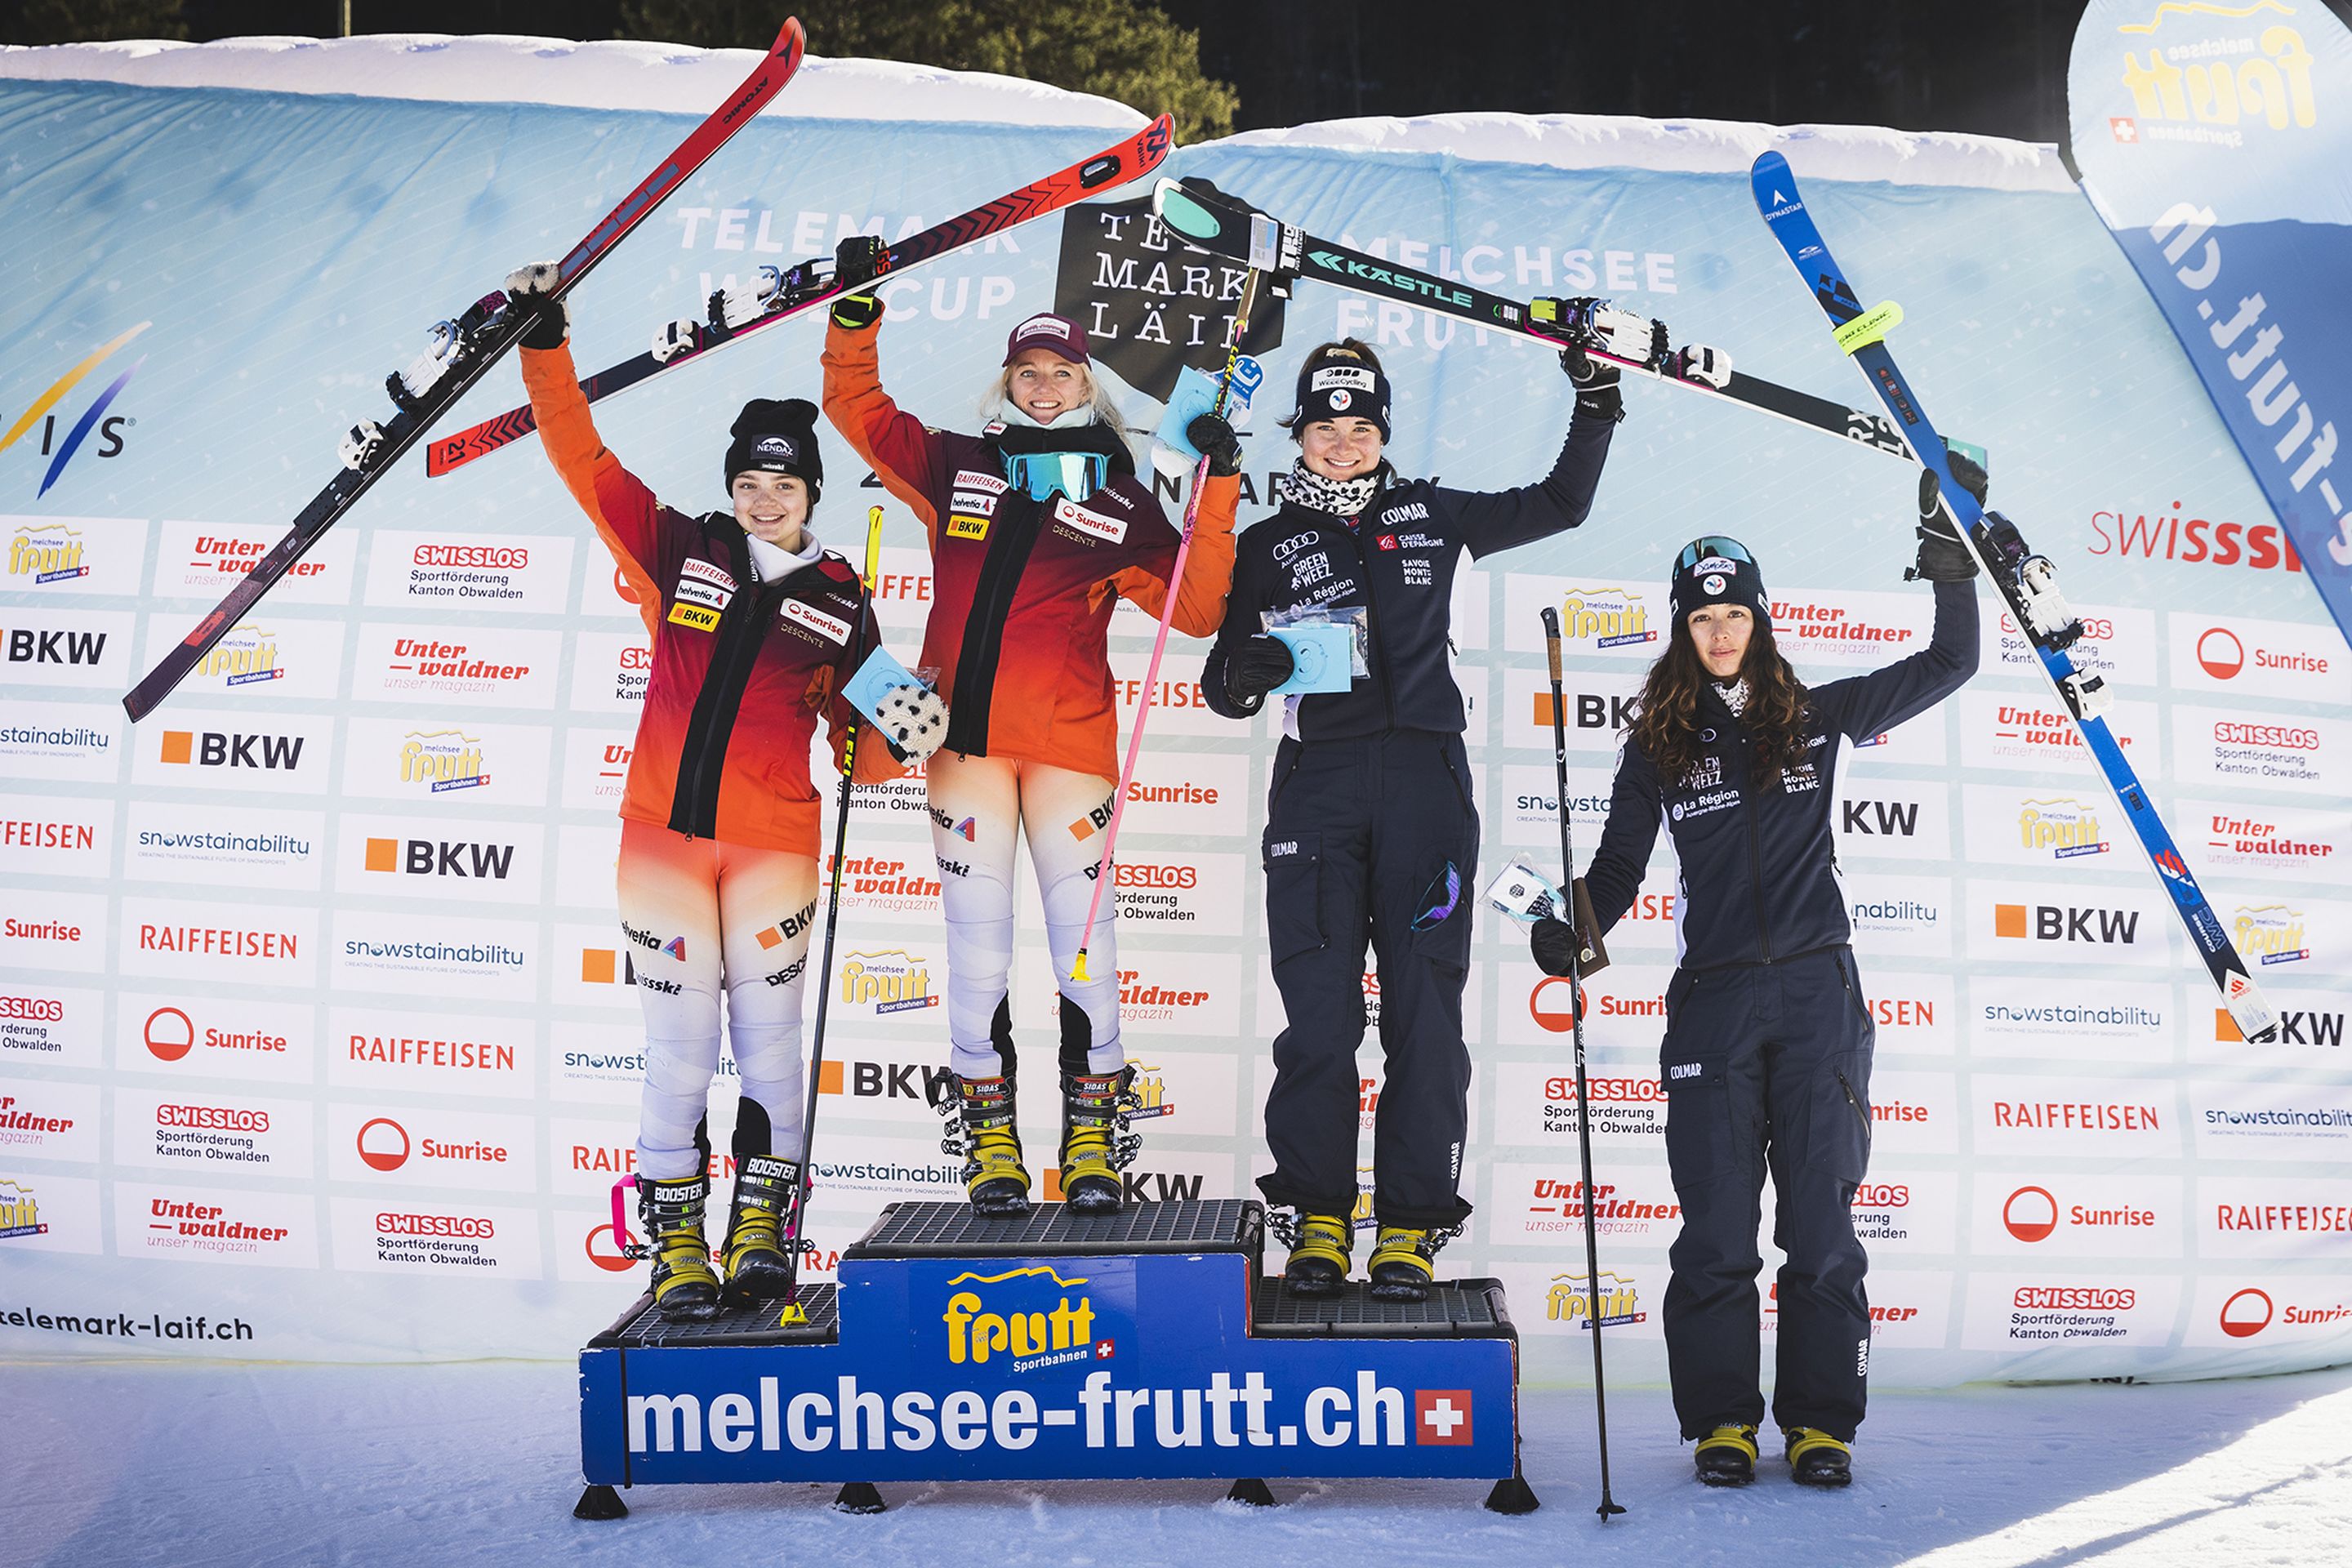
1767,1046
1369,820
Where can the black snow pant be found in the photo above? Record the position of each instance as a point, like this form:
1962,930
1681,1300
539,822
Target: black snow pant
1371,840
1767,1064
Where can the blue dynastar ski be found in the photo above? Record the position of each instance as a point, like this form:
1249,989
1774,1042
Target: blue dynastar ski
2026,582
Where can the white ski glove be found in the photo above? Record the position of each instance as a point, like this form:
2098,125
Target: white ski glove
1696,362
528,285
914,719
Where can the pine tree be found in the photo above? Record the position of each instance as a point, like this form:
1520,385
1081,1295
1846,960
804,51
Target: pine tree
1123,49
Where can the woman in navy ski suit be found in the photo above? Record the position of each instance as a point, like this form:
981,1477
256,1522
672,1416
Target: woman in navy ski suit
1371,832
1767,1055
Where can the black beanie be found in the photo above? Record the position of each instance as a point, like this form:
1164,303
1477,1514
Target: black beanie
1337,383
777,438
1718,571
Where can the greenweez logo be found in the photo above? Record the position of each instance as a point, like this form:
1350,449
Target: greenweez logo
93,418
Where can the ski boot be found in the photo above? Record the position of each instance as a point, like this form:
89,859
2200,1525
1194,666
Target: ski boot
1095,1143
685,1285
1818,1459
1727,1456
1403,1263
983,1129
767,1193
1318,1265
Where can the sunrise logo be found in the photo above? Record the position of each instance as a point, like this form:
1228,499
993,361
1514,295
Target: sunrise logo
60,454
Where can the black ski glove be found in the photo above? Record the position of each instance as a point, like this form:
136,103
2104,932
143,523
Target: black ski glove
1554,945
1943,556
1216,441
857,261
1259,665
527,294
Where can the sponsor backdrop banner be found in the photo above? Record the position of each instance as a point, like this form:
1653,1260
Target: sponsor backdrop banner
317,1036
2213,139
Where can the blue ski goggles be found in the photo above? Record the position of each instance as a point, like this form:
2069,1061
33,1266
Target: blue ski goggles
1714,544
1440,900
1041,476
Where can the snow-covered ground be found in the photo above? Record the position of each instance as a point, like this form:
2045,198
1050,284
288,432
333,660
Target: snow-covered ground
258,1466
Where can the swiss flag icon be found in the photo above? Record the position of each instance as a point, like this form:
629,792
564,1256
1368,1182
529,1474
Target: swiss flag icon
1105,1348
1442,1416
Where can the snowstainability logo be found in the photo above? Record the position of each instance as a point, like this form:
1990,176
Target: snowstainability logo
60,454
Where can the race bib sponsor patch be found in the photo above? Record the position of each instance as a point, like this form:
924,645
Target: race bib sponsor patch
698,618
986,484
962,526
694,591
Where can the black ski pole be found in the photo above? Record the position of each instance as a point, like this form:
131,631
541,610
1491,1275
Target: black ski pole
1583,1104
792,1312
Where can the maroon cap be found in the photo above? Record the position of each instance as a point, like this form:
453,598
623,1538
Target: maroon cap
1059,333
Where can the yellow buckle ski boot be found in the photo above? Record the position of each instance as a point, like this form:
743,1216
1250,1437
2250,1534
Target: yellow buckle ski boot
1818,1459
987,1137
1403,1263
757,1266
1095,1145
1318,1265
685,1285
1727,1456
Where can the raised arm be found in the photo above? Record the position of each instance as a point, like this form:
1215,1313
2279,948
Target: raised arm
903,456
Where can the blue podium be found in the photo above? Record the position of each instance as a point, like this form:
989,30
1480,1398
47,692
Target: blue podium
1054,1345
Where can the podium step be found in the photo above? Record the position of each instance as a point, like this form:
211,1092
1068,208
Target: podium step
643,1326
956,1230
1457,1308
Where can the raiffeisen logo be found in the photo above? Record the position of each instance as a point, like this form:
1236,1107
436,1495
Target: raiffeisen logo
434,761
109,431
1604,618
43,553
2062,827
2272,933
888,981
1027,1316
245,654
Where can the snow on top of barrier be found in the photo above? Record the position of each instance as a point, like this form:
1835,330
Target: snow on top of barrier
1691,146
609,74
613,74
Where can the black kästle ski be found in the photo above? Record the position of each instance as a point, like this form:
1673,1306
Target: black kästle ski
1214,221
460,352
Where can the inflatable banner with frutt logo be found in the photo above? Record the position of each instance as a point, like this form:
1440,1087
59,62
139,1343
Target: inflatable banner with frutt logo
2216,142
318,1036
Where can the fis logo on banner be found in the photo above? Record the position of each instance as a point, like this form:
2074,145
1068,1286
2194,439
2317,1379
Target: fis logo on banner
109,431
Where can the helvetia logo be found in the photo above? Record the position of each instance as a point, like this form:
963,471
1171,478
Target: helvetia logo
1604,618
109,431
2247,1314
1025,1314
435,761
1569,1300
43,553
2030,1214
2273,933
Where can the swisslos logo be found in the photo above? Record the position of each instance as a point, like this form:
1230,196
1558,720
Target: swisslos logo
2073,924
385,1145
